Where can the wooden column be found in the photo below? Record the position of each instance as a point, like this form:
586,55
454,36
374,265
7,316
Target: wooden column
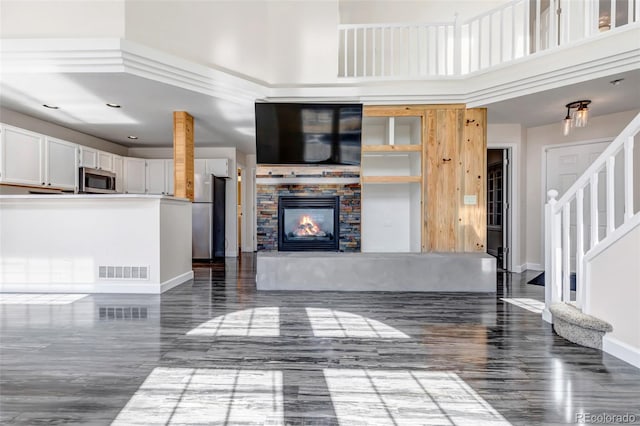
442,158
472,223
183,154
454,158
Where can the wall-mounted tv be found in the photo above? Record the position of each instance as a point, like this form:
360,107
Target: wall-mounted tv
290,133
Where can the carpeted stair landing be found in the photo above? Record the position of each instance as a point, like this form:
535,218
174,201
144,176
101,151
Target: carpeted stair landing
578,327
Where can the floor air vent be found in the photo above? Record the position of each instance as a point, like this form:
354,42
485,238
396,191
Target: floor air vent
123,272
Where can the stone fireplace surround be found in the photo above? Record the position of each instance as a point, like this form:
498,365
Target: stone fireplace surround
273,182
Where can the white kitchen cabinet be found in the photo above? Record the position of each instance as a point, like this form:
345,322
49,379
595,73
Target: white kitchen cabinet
218,167
21,157
169,176
105,161
160,177
199,167
88,157
156,177
61,164
118,169
134,175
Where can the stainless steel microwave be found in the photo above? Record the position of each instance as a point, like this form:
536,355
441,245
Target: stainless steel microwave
94,181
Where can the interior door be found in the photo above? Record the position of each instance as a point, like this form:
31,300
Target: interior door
498,205
506,209
565,164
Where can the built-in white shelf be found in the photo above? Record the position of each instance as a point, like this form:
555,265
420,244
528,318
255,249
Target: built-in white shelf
391,131
391,177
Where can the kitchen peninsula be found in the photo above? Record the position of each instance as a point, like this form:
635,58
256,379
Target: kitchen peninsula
111,243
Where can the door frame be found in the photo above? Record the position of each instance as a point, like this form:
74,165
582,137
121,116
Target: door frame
241,226
512,221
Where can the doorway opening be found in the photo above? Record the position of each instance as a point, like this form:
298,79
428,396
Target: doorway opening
498,205
239,210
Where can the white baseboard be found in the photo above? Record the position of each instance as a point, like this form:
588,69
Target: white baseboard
518,269
621,350
176,281
231,253
533,267
111,287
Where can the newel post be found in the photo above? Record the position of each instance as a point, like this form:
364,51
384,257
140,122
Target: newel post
550,264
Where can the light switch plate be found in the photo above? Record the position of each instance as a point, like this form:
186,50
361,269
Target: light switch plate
470,200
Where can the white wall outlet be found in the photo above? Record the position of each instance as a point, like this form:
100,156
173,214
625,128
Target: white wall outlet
470,200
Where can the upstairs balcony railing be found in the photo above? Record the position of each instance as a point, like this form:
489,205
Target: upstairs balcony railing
514,30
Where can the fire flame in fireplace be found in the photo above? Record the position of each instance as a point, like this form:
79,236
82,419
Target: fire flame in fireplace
307,228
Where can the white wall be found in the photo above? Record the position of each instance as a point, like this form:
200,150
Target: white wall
385,11
231,219
175,237
636,173
53,18
605,126
27,122
302,41
253,38
512,136
615,294
248,165
387,215
224,34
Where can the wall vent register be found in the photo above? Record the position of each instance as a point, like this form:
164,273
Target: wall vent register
123,272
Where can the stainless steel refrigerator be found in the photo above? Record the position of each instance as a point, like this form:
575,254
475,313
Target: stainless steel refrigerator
208,217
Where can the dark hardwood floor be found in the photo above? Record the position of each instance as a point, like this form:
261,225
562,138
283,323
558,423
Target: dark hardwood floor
216,351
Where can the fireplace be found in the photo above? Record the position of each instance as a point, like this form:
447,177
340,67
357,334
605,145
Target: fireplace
308,223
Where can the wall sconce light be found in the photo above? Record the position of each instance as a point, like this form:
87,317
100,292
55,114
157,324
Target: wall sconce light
577,116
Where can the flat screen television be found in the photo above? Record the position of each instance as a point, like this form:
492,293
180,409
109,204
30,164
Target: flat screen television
292,133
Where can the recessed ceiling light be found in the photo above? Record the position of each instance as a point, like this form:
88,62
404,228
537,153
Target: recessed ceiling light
50,106
617,81
132,137
113,105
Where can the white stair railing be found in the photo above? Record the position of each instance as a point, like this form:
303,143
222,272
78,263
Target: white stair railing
397,50
508,32
579,206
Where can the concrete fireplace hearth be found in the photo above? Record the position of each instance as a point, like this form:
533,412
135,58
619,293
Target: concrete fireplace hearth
324,271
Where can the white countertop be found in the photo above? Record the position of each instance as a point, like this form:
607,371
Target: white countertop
92,197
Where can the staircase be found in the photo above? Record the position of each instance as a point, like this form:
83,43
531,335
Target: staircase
576,237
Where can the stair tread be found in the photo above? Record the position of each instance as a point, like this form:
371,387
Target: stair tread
574,316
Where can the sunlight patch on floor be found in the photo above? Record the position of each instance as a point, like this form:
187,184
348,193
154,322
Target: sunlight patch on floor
39,298
399,397
532,305
331,323
258,322
206,396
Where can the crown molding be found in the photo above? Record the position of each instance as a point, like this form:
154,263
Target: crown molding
575,63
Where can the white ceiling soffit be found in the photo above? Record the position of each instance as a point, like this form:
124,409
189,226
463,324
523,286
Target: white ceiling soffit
151,84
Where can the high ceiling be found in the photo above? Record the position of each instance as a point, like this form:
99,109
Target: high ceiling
223,105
